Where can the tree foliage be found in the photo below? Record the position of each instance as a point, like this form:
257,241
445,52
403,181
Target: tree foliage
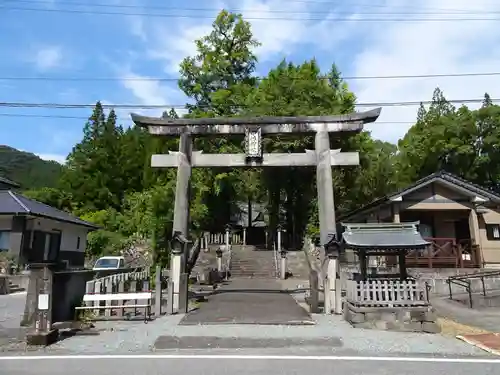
108,179
27,169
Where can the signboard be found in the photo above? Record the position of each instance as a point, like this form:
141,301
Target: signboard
43,302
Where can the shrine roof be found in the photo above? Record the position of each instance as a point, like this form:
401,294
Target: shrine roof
383,236
348,123
365,117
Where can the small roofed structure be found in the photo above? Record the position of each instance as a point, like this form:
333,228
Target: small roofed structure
387,301
382,240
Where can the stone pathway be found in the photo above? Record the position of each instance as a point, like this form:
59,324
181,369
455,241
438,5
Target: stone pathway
249,301
486,319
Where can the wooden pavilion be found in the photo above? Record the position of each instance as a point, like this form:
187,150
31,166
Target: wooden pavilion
382,240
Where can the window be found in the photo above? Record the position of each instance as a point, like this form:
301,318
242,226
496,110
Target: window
425,230
78,243
4,240
493,232
106,263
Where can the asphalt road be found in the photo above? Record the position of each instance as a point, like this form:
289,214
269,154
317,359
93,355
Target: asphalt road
245,365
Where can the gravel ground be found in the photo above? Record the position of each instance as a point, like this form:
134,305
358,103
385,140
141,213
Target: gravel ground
137,337
11,310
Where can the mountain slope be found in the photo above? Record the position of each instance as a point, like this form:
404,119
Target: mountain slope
27,169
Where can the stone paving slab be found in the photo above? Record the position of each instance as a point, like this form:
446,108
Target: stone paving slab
254,301
489,342
136,337
214,342
485,319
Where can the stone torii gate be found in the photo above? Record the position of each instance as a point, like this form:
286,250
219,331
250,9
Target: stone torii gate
253,129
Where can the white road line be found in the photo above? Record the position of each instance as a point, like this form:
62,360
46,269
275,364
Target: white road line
252,357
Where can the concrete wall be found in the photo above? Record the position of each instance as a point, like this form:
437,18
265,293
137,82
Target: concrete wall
490,248
436,197
68,288
436,278
5,222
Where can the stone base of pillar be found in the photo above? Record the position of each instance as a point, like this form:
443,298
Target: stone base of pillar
42,338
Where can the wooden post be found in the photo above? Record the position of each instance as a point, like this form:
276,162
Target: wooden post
218,253
158,292
327,304
362,264
338,290
283,265
402,265
183,293
314,292
170,297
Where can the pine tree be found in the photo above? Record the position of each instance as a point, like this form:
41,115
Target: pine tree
93,176
487,100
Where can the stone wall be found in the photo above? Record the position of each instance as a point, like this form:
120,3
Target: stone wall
404,319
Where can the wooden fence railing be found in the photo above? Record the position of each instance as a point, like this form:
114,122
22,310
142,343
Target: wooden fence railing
122,287
387,293
220,238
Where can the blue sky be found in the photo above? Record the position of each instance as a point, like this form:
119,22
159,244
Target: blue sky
123,48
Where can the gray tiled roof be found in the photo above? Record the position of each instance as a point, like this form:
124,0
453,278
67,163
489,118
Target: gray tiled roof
258,215
383,235
12,203
443,176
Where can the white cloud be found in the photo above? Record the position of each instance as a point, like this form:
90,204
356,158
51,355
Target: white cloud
171,42
278,37
409,48
47,57
151,92
172,48
61,159
377,48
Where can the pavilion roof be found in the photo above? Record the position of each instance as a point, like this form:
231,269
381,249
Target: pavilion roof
382,236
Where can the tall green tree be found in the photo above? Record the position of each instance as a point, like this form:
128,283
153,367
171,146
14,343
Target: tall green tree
296,90
221,72
92,176
218,78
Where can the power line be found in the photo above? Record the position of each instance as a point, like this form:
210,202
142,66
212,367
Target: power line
320,19
62,117
442,11
159,79
183,106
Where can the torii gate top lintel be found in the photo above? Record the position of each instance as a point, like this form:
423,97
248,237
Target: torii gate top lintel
352,122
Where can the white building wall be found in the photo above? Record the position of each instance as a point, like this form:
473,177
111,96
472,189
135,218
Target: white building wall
69,232
5,222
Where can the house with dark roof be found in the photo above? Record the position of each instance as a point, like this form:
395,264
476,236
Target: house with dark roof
459,219
5,183
34,232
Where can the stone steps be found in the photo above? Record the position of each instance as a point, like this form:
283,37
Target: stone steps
249,262
15,288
